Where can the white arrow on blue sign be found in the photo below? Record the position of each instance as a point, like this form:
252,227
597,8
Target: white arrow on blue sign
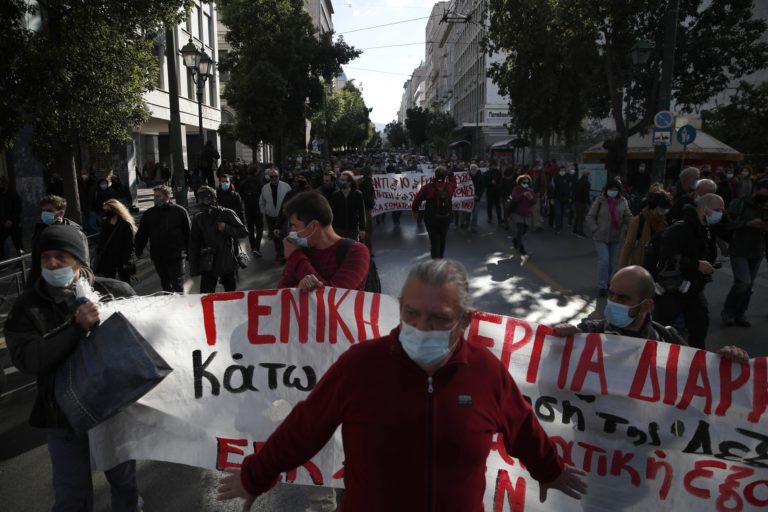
686,135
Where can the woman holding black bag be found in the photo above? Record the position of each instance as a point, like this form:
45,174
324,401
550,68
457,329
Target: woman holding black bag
115,254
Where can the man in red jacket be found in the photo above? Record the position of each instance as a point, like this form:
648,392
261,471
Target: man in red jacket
438,211
403,427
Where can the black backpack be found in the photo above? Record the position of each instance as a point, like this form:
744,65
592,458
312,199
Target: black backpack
441,204
372,281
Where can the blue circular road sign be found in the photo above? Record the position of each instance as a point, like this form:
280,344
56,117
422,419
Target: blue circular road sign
663,119
686,135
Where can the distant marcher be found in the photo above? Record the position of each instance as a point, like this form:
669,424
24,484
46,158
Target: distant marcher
348,208
250,191
271,203
213,243
492,178
208,157
581,199
166,227
471,218
228,197
606,222
522,201
115,253
648,223
10,217
369,199
438,196
749,225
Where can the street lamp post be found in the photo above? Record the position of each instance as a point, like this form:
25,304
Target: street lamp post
201,66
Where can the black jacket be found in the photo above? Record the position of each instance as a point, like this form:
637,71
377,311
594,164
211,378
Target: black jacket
206,235
581,190
348,211
650,331
166,228
479,183
675,213
115,249
492,178
562,188
10,208
691,241
250,191
369,193
745,241
232,200
41,334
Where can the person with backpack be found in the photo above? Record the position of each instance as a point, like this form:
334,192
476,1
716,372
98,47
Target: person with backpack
438,195
348,206
686,253
315,254
606,223
519,207
644,226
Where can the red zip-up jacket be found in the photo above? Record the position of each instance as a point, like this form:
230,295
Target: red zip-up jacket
411,442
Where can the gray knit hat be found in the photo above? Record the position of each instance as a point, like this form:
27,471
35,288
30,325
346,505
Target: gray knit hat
63,238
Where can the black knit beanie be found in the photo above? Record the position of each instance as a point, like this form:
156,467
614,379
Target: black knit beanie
63,238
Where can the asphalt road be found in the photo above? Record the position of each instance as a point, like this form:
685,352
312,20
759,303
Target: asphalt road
557,283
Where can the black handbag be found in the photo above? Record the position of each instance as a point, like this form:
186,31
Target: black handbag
109,370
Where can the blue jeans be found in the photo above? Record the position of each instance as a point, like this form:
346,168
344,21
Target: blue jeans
607,260
744,274
475,211
71,461
560,211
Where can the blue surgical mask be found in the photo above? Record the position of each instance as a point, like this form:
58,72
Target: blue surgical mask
48,217
425,348
618,314
714,217
525,185
613,194
225,185
60,277
300,241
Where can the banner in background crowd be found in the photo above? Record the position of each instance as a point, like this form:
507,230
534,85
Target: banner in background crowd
655,426
395,192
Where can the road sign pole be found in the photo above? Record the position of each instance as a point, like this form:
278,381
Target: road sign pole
665,88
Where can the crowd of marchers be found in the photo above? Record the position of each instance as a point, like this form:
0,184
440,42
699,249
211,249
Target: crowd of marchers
656,251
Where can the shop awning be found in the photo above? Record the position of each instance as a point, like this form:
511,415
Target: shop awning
640,147
458,143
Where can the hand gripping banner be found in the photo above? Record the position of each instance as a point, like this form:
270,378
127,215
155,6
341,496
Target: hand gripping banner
655,426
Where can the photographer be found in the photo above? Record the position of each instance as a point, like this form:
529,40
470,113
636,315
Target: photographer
213,243
749,225
687,251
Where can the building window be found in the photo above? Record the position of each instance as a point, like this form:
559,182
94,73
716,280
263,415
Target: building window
212,91
223,75
194,22
207,32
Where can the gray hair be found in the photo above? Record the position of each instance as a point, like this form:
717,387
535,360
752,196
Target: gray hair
442,272
711,201
689,173
706,186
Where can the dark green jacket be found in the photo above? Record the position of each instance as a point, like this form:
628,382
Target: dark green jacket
41,333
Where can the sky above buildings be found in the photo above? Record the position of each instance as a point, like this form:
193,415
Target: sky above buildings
383,71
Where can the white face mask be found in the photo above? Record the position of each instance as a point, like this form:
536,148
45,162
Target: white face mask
302,242
59,277
425,348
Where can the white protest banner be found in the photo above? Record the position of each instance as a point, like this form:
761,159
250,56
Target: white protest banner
395,192
655,426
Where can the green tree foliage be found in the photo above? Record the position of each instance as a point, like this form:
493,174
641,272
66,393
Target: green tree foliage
743,123
588,43
343,119
416,122
85,71
277,66
395,134
440,126
81,75
552,73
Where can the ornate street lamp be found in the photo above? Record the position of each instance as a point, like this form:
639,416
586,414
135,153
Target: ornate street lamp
201,66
